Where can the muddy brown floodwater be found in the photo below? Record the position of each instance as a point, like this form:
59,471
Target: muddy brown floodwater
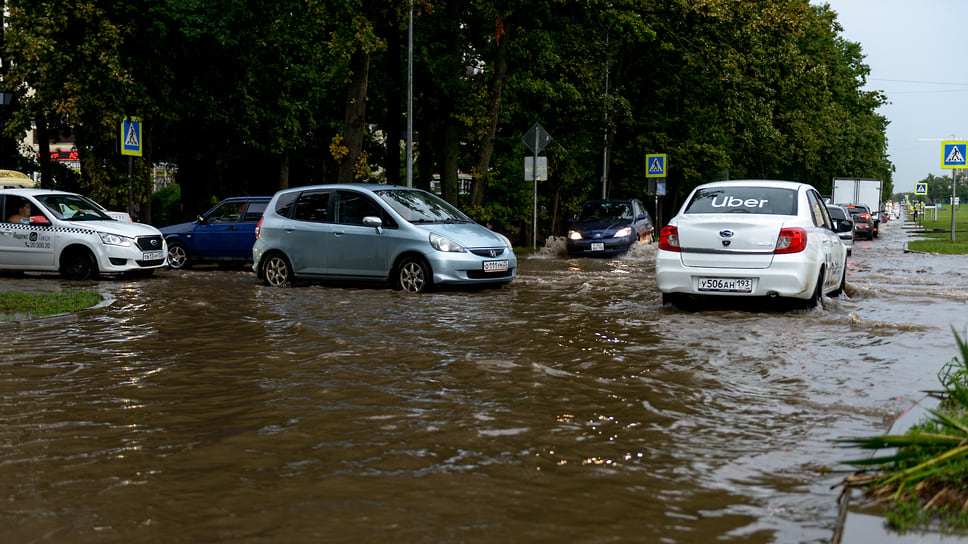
570,406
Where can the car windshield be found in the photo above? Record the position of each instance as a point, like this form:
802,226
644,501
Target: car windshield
422,207
739,199
593,211
73,208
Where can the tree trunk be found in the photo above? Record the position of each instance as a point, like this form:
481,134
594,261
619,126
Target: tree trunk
450,106
354,122
147,177
284,170
479,183
395,98
43,142
448,174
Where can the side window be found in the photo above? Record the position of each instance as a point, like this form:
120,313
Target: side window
227,212
819,212
353,207
313,206
284,203
254,211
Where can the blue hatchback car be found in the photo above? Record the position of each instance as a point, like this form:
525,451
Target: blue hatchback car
222,235
609,227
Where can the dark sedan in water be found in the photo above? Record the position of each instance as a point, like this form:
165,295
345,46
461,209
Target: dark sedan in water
608,227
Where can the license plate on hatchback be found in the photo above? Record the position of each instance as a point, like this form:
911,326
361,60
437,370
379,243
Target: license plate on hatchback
496,266
598,246
731,285
152,256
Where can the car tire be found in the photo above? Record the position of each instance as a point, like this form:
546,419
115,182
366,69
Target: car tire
276,270
817,296
413,275
843,283
79,265
177,256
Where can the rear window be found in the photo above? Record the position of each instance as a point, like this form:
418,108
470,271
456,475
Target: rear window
756,200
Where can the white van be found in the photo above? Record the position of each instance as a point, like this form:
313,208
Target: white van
44,230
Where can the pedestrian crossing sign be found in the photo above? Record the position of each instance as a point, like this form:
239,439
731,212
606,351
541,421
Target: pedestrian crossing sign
953,154
655,165
131,136
920,188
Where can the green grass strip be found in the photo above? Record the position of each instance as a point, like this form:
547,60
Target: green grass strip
20,305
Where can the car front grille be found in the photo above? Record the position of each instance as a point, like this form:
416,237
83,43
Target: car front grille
150,243
490,252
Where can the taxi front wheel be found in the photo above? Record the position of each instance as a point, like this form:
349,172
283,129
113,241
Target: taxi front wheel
79,265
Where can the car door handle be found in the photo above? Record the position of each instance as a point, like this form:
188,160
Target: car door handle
232,228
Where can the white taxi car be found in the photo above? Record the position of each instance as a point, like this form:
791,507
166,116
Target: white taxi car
56,231
751,238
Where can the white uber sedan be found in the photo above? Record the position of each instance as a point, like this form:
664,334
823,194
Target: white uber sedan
751,238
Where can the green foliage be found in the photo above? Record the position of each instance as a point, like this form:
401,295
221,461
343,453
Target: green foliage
245,97
166,205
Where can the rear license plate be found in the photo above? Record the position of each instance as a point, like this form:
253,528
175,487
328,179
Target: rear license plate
496,266
598,246
733,285
152,256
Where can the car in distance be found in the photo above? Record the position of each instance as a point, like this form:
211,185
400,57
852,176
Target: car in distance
608,227
844,225
222,235
864,225
751,238
71,234
408,238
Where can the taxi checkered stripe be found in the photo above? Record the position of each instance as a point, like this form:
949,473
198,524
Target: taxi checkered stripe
47,228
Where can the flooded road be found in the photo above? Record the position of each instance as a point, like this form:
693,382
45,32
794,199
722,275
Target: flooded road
570,406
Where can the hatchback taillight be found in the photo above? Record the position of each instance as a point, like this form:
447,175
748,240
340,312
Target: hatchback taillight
669,239
791,240
865,216
258,227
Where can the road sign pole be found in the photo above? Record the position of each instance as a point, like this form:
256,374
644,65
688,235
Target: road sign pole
534,223
954,177
540,139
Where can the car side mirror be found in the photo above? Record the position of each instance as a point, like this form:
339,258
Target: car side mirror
373,221
200,219
845,225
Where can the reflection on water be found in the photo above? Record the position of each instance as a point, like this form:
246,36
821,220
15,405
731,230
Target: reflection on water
568,406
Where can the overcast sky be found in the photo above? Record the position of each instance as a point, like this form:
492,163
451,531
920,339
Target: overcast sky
917,55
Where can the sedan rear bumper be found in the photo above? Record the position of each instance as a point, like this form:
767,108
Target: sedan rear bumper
786,277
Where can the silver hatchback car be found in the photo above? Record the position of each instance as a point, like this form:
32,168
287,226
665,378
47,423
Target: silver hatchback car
406,237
